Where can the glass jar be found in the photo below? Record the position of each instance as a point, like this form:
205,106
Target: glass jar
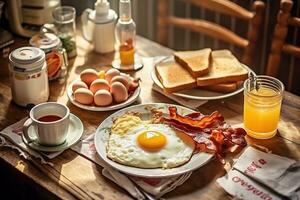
64,21
56,56
262,104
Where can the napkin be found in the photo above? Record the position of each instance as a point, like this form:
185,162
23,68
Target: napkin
154,186
279,174
190,103
13,134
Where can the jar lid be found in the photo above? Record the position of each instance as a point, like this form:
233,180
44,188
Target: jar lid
45,41
27,58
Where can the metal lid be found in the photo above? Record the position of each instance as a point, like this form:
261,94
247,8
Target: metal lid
27,58
45,41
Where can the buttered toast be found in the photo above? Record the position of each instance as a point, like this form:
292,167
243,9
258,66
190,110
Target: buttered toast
196,62
224,68
174,77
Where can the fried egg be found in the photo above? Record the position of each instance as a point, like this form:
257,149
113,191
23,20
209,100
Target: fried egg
137,143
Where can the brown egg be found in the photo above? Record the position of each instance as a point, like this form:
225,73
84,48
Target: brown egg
99,84
88,76
122,79
119,92
111,73
83,96
78,84
103,98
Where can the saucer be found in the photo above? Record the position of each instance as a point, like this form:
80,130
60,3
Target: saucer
74,134
134,67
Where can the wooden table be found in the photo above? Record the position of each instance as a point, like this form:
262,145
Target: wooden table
73,176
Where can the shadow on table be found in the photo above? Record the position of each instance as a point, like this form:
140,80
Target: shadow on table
200,181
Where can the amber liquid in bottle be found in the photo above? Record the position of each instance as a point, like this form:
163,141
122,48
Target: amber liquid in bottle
125,33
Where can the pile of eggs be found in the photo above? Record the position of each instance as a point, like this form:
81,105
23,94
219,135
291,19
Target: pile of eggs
103,88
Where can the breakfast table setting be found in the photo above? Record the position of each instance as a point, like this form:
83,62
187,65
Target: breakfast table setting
140,122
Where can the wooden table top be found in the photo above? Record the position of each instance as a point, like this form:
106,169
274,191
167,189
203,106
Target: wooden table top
74,176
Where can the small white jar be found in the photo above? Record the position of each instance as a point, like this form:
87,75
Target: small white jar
28,75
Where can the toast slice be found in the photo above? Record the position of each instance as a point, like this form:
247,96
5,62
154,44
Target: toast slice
222,87
196,62
224,68
174,77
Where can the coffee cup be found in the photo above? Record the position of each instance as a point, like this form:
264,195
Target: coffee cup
51,124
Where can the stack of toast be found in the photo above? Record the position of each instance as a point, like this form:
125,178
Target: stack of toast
217,71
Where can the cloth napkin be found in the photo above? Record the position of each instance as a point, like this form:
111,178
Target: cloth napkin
154,186
257,174
190,103
13,134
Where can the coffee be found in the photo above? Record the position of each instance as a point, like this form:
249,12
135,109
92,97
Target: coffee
49,118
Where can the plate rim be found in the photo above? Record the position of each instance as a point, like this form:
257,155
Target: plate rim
129,101
54,148
115,165
222,96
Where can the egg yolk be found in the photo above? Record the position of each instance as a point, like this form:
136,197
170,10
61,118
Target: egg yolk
151,140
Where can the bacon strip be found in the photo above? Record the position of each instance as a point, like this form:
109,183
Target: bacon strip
204,122
210,133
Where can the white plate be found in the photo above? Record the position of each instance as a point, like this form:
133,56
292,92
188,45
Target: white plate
199,94
102,136
129,101
74,134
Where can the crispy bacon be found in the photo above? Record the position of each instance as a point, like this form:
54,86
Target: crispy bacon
210,133
203,122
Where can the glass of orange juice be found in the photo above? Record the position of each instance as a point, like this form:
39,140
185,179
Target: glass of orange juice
262,104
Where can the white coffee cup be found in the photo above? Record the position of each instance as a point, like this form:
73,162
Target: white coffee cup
51,123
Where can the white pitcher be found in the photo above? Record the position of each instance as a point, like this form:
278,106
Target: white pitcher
99,25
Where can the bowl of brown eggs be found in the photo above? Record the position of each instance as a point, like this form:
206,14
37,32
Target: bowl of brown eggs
103,90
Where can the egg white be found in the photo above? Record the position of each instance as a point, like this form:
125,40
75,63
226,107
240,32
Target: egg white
124,148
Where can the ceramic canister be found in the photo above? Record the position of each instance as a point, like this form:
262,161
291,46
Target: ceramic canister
28,75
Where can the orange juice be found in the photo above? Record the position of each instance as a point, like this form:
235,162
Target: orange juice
262,111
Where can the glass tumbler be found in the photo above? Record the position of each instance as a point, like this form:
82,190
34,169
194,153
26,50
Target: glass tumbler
262,105
64,21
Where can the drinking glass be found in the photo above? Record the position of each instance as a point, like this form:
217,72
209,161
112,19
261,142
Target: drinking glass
262,104
64,21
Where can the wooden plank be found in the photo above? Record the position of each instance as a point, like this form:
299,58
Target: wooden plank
294,21
210,29
224,7
291,49
162,24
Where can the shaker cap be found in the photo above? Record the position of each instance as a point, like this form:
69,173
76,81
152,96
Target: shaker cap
27,58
